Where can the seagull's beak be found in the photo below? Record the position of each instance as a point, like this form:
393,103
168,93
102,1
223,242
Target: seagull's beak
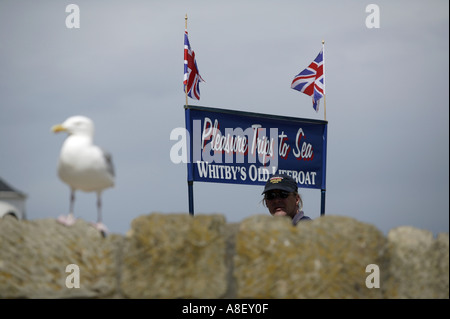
58,128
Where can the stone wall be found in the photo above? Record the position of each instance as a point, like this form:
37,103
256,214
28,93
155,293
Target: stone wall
204,257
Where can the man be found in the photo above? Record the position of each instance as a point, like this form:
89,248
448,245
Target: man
281,197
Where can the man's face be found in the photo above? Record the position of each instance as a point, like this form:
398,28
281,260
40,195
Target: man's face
282,203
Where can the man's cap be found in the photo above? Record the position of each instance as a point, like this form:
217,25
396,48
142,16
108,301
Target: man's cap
280,182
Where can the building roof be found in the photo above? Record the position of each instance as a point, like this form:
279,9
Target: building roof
7,189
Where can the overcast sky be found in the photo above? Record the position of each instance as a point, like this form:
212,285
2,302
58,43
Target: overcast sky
387,101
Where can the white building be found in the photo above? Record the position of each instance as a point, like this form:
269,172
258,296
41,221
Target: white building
12,201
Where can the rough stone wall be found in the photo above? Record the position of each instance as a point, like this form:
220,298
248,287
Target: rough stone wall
204,257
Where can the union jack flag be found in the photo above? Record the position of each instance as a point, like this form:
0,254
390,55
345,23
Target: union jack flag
311,80
192,77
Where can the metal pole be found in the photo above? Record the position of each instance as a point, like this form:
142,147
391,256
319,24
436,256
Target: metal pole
191,197
324,93
322,202
185,59
190,168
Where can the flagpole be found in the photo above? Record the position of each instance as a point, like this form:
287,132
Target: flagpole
185,87
189,166
324,91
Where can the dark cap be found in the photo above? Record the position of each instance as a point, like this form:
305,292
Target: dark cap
282,182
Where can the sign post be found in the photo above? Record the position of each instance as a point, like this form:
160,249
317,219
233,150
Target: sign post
229,146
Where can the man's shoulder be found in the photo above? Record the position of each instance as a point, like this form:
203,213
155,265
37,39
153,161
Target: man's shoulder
300,217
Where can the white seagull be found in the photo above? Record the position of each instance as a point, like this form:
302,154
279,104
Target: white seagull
83,165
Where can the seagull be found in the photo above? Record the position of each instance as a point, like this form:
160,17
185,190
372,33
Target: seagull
83,166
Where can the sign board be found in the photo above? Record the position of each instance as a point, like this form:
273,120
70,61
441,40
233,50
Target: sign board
227,146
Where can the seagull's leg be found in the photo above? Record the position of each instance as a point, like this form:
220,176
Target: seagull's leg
99,208
72,201
71,217
99,225
69,220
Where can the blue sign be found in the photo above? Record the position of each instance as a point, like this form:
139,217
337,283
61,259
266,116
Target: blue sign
228,146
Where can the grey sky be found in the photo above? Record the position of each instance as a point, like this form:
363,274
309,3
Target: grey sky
387,101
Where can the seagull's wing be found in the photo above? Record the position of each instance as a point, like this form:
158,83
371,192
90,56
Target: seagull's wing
109,162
